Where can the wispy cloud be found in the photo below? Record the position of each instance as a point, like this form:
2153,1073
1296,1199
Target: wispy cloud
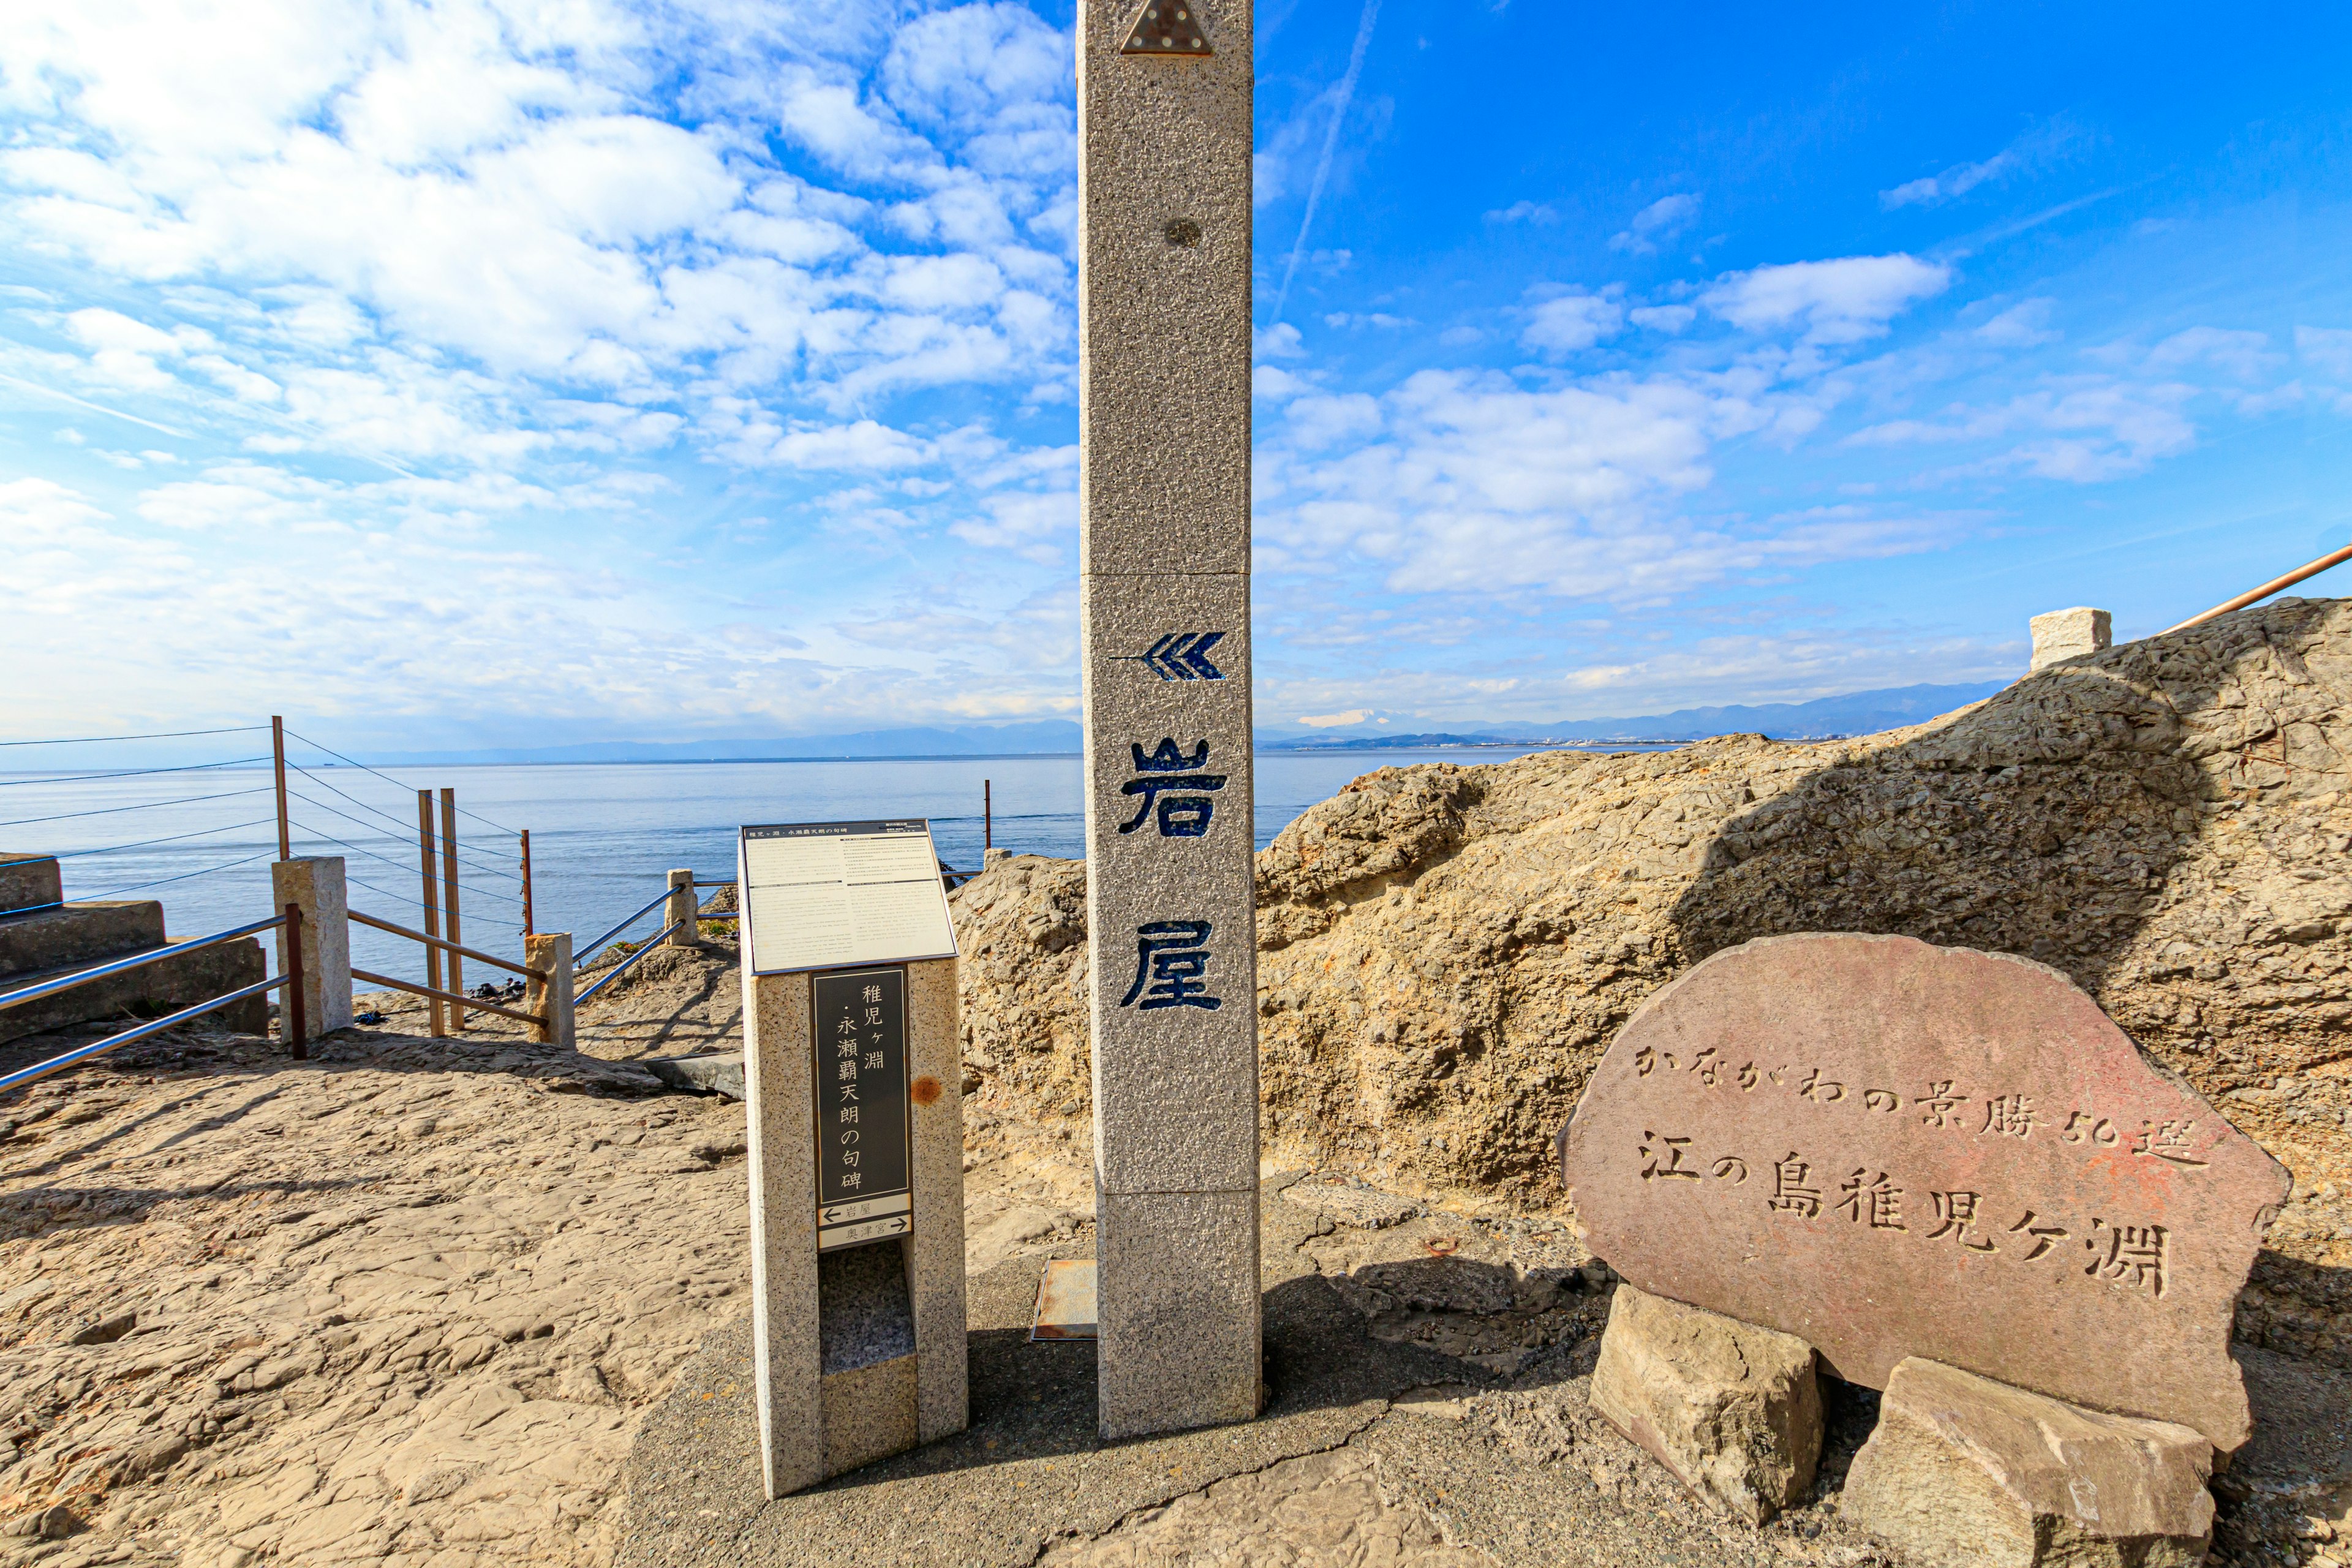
1661,221
1342,95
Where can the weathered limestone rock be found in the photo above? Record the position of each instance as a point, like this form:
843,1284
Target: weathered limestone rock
1890,1149
1732,1409
1964,1472
2070,633
1445,951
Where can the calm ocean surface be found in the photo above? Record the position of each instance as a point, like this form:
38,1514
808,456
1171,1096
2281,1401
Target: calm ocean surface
601,837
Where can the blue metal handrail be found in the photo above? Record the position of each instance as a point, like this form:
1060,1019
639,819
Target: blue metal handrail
594,948
622,967
83,1053
135,961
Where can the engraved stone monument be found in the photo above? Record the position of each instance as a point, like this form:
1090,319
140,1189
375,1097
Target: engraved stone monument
1164,95
1890,1150
853,1078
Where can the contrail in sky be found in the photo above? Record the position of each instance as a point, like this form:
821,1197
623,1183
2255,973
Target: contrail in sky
1331,144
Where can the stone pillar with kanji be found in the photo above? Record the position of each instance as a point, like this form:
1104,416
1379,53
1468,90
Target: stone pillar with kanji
1164,95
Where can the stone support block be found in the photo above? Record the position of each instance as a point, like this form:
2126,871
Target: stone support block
28,882
2063,634
314,884
1732,1409
1176,1344
547,957
860,1351
1965,1472
682,907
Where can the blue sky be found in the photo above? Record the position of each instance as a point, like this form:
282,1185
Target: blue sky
529,372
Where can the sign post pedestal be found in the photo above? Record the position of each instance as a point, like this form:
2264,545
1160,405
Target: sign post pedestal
852,1071
1164,150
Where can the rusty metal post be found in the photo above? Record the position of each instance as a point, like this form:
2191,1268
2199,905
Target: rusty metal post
449,903
293,1026
987,814
526,928
285,824
432,903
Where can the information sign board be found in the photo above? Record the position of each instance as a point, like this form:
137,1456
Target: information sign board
835,895
864,1186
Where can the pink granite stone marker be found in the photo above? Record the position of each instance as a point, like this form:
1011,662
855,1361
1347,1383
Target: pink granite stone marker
1890,1148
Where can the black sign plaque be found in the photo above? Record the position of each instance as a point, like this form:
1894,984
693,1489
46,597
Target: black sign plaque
864,1191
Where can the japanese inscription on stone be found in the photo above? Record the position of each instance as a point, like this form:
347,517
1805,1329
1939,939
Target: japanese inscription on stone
1890,1149
1164,160
864,1190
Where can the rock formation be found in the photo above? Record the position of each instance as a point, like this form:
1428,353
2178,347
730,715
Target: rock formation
1446,950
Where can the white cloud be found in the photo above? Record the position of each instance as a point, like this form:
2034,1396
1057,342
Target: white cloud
2035,148
2023,325
1571,322
1661,221
2242,355
1663,318
1520,212
2082,429
2327,350
1841,301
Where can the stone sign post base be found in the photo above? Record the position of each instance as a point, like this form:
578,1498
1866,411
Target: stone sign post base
1965,1472
860,1348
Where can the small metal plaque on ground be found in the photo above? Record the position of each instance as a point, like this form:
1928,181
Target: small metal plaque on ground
864,1190
1065,1302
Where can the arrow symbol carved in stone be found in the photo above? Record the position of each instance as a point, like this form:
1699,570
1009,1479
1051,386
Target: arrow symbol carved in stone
1182,656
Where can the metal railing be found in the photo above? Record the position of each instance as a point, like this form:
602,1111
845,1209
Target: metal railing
293,1028
594,948
626,964
431,993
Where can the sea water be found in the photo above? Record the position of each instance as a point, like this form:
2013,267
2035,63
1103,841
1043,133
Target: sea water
603,836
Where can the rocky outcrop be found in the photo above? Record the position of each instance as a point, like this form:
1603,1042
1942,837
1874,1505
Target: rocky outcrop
1445,951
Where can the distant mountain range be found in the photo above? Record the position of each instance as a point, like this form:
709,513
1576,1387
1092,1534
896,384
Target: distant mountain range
1857,713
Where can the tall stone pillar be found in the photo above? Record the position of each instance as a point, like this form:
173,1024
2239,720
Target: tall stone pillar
1164,95
315,885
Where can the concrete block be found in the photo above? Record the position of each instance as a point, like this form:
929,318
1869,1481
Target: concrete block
682,907
2062,635
314,884
1176,1344
547,990
722,1073
77,936
1732,1409
151,991
28,882
1965,1472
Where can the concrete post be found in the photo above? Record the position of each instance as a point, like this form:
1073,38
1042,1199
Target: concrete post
2063,634
1164,148
682,907
547,957
314,884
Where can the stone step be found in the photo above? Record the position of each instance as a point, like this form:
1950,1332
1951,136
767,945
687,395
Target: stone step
150,990
77,936
29,881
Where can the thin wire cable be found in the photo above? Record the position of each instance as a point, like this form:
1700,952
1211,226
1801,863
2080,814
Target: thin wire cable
462,884
463,859
173,838
143,805
397,824
183,876
161,735
132,773
387,778
371,887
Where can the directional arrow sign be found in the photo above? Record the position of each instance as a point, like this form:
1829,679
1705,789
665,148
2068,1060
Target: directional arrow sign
1182,656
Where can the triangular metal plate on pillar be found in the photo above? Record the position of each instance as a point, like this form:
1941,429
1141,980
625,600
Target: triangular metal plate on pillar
1167,28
